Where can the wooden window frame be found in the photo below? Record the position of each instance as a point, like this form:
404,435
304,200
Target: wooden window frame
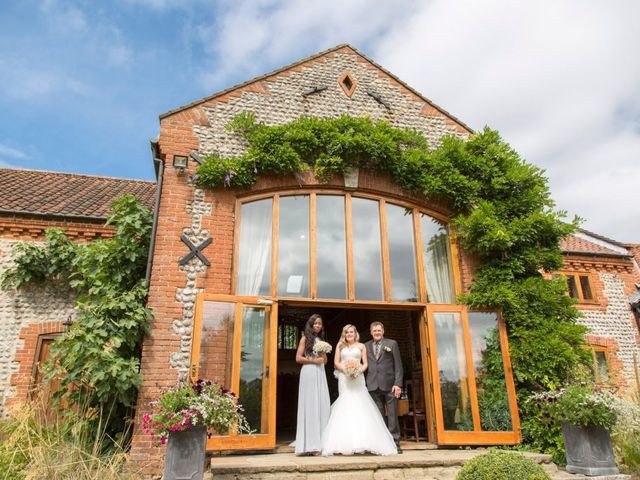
576,277
233,441
593,348
385,260
477,436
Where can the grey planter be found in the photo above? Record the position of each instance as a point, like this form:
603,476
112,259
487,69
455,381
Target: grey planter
588,451
185,457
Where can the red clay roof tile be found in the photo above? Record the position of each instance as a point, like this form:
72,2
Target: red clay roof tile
67,194
576,244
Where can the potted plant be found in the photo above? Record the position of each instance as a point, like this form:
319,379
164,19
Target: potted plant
181,417
587,416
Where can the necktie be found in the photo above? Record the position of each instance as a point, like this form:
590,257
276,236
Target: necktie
377,350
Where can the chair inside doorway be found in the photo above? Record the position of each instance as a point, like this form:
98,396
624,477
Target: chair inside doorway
414,421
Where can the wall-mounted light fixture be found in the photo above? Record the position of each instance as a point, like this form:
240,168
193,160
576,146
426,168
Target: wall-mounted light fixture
181,162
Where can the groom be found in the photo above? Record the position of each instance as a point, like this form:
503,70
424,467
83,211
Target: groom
384,377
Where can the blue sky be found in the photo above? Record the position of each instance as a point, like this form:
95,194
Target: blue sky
82,82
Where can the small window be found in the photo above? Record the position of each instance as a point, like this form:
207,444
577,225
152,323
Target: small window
579,286
600,363
347,83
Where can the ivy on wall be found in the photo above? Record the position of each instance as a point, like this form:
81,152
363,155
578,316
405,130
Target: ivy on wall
504,217
98,360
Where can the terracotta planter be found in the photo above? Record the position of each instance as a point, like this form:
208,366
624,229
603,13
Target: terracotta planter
588,451
185,458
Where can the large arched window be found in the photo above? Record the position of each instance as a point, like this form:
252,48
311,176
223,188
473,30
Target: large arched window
342,246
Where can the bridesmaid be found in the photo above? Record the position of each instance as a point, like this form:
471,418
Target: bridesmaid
313,393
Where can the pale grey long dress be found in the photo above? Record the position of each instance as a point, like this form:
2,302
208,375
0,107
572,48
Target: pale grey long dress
313,408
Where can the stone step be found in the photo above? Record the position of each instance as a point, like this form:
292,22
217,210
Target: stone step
412,464
560,474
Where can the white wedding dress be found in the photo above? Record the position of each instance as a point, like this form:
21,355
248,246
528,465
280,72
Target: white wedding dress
355,424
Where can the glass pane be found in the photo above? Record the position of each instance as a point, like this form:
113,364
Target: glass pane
331,247
216,342
586,287
437,260
452,374
367,255
602,374
402,254
573,288
293,246
254,254
495,412
253,387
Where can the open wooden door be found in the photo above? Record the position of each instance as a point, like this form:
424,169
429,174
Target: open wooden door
474,398
234,344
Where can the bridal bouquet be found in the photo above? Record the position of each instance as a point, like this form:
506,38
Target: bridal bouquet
352,368
322,347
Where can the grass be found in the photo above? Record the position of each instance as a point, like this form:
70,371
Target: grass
39,443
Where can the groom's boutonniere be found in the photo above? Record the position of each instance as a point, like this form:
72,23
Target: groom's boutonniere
387,349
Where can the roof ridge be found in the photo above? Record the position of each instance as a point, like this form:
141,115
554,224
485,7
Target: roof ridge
308,59
71,174
601,237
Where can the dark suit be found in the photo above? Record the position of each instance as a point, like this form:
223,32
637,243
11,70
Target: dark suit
383,373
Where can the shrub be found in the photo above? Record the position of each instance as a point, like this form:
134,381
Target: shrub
626,434
578,405
497,465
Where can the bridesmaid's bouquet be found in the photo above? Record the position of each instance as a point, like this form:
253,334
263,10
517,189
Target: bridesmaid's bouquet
321,347
352,368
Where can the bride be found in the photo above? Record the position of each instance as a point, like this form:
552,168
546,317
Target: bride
355,424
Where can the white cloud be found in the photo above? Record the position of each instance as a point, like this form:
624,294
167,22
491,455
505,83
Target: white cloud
158,4
251,37
74,40
559,80
6,151
64,16
24,82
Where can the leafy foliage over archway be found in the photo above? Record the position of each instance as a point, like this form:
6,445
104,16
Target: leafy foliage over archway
503,215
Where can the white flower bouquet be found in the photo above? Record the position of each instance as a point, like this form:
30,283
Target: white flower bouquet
322,347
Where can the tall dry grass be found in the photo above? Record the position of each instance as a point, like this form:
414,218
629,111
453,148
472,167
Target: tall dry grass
41,443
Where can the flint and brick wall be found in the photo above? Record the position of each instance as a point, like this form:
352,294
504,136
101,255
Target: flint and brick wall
201,214
33,310
610,320
24,315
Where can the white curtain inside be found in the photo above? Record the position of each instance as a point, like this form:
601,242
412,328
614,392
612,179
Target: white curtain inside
254,270
437,261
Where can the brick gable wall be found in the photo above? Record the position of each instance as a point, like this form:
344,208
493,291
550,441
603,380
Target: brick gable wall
199,214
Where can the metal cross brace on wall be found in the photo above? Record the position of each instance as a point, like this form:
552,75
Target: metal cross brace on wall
195,251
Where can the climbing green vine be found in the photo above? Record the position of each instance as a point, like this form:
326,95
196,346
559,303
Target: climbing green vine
98,360
504,217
